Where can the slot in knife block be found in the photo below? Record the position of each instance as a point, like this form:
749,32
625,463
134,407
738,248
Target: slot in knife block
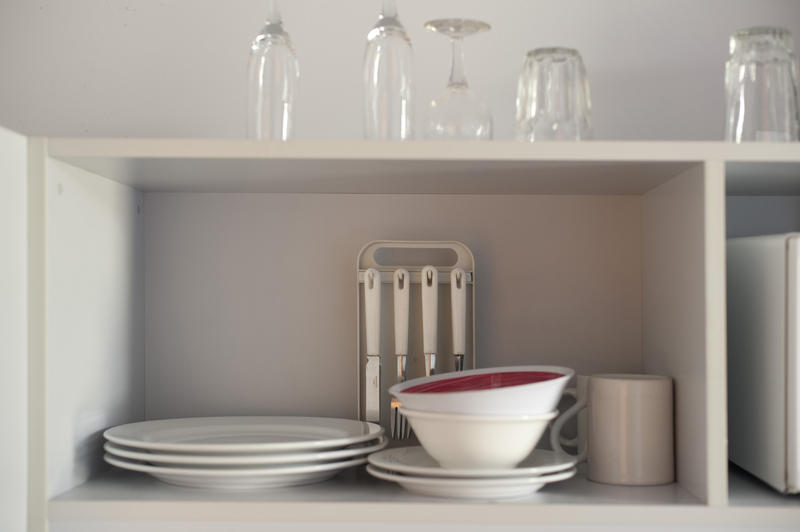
386,256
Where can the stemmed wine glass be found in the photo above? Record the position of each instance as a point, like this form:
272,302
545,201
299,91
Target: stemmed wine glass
272,79
388,79
458,113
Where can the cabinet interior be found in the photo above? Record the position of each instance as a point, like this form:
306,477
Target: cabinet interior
241,300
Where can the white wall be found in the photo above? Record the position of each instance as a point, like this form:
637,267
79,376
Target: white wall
177,67
13,332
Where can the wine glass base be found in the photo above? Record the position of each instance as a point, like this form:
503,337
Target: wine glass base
457,28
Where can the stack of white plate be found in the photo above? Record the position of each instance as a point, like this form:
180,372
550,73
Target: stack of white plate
416,471
242,452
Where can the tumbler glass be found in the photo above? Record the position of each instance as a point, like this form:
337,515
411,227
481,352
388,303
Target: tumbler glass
388,79
273,74
553,101
761,87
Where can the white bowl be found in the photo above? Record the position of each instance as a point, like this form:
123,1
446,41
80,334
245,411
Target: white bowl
460,441
490,391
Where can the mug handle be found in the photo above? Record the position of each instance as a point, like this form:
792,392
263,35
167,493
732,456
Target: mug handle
556,440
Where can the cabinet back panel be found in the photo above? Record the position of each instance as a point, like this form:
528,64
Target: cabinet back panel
250,298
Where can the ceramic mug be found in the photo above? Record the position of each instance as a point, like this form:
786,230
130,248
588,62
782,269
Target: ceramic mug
627,436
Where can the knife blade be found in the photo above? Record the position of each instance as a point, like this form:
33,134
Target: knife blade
458,304
372,324
430,314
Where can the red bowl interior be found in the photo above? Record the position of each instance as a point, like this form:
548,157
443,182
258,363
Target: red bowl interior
483,381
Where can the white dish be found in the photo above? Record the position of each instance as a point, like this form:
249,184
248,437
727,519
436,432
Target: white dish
242,478
239,459
488,391
263,434
415,461
471,488
459,441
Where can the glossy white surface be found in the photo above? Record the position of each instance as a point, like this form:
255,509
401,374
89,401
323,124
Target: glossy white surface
243,434
477,442
526,399
415,461
240,459
13,330
239,478
470,488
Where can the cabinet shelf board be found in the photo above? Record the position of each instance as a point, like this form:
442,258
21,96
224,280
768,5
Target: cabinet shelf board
500,167
354,496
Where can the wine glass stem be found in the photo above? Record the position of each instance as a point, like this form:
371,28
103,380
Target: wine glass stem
273,11
457,78
389,9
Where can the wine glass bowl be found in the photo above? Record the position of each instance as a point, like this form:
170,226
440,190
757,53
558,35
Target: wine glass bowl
458,114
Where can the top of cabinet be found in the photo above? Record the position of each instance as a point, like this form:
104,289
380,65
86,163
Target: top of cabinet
498,167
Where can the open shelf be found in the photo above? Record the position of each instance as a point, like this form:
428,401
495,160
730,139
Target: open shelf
179,278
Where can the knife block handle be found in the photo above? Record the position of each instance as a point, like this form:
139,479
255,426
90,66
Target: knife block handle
458,303
430,309
372,310
402,293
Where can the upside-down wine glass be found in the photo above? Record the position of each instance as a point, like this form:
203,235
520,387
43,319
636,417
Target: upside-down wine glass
458,113
388,79
272,79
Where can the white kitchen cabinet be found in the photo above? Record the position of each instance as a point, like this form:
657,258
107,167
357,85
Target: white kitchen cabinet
208,277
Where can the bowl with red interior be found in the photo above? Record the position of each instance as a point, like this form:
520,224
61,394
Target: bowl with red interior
500,391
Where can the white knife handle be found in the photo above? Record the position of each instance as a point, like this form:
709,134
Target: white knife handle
430,308
372,310
458,302
402,282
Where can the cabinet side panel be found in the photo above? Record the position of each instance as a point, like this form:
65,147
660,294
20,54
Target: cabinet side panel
678,319
13,331
94,318
756,356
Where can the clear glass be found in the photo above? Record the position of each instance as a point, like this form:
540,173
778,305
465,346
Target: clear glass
553,100
273,74
388,79
458,114
761,87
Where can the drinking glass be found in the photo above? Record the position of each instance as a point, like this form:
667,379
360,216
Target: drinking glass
553,100
761,86
388,79
458,113
272,78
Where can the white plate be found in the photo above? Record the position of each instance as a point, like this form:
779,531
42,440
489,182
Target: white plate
415,461
471,488
263,434
239,459
241,478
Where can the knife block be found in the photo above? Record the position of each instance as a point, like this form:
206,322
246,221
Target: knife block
386,256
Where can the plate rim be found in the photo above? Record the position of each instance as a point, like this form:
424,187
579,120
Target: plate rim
233,473
470,482
440,472
239,459
374,431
